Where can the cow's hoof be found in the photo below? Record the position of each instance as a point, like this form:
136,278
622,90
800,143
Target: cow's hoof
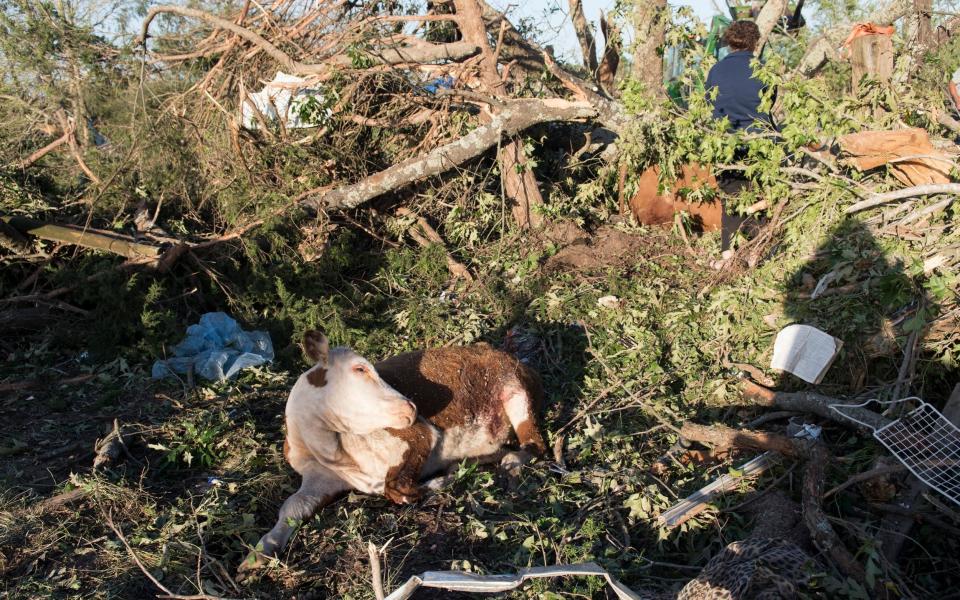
402,492
511,464
250,565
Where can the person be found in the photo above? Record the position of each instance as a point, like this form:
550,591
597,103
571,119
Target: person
737,99
952,88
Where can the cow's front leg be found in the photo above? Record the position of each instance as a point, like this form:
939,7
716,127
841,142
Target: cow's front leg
318,489
401,484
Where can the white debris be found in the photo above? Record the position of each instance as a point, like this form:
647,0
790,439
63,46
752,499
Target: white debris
805,351
609,302
459,581
286,98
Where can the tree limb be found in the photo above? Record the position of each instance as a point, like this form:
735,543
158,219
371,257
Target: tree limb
815,457
757,395
910,192
88,238
587,44
767,20
515,117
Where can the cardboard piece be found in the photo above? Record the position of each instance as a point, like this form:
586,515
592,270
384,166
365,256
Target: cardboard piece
805,351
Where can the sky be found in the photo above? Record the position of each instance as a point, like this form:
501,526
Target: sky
551,17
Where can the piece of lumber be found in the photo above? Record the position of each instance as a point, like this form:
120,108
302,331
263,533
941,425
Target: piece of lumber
88,238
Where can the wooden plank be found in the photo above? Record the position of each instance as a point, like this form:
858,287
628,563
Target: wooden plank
88,238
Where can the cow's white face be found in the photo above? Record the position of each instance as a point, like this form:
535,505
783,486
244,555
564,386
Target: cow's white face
345,392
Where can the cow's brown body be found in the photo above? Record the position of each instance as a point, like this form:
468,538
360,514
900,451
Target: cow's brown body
349,427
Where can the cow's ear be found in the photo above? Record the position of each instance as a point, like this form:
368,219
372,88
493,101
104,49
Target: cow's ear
316,346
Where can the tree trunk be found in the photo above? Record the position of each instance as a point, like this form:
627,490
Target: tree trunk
924,26
519,183
871,55
649,23
771,14
585,36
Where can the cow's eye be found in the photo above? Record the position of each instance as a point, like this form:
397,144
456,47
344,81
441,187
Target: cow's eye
360,370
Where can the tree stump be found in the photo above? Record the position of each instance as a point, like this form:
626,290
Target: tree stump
871,55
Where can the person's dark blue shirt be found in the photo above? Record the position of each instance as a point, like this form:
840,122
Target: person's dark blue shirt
738,95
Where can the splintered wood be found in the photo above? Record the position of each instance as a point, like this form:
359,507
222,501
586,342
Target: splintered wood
912,158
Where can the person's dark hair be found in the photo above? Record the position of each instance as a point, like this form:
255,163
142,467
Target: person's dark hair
742,35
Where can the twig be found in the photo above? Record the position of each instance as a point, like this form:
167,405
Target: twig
866,476
63,139
166,592
375,571
116,530
430,236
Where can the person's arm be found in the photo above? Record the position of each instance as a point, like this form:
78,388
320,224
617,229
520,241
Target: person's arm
954,94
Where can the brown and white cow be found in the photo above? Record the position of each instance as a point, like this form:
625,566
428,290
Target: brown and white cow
385,428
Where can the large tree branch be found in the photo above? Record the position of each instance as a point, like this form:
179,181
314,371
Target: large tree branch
757,395
587,44
771,14
516,116
910,192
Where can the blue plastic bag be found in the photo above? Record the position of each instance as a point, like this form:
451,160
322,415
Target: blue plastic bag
434,85
216,348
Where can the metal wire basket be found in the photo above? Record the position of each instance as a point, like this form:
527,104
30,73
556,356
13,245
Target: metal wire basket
923,440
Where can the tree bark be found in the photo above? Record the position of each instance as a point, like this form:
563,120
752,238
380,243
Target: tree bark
649,23
607,71
770,15
924,25
871,55
520,185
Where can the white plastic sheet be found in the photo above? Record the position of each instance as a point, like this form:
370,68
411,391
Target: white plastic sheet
283,99
459,581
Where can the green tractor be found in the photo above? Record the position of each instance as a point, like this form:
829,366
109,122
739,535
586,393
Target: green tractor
673,63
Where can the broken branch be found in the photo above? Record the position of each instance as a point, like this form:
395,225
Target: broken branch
910,192
757,395
515,117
